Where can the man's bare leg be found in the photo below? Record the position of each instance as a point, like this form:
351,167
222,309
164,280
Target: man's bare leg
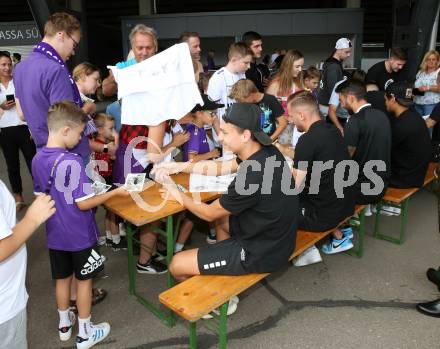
184,265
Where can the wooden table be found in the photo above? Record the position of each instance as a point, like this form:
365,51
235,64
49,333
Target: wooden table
142,209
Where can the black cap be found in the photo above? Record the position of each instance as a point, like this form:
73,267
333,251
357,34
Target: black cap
248,116
208,104
402,91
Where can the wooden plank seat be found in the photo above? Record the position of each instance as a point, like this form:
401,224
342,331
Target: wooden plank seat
202,294
399,198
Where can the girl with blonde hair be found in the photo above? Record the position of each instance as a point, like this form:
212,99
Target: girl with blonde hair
286,82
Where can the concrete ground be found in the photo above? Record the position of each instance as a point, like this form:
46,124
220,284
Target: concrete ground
344,302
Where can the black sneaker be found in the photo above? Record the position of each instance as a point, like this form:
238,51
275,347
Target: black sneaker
121,246
108,242
211,238
152,267
160,255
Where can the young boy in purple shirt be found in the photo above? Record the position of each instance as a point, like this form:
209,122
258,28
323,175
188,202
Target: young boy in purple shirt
197,149
72,232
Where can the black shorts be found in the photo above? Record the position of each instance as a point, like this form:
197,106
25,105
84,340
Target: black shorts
362,199
85,263
108,180
311,220
223,258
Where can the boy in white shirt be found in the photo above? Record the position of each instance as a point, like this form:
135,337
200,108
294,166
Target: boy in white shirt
13,295
221,82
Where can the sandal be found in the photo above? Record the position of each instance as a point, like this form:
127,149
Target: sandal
98,295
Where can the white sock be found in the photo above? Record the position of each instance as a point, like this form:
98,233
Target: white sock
212,231
116,238
122,229
84,327
108,234
178,247
64,318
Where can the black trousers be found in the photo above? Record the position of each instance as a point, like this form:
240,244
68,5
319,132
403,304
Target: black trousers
12,140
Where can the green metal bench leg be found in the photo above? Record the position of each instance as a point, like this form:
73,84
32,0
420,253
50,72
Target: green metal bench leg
359,250
171,319
222,328
403,221
193,335
131,275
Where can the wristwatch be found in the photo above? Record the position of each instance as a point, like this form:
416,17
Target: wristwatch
105,148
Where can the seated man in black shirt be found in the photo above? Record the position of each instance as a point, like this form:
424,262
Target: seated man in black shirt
262,231
326,202
368,138
411,145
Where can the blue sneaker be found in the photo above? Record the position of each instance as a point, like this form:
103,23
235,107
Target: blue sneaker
347,232
336,246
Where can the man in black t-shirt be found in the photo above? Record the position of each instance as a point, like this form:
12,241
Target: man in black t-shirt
261,230
385,72
254,41
326,203
332,73
411,145
367,135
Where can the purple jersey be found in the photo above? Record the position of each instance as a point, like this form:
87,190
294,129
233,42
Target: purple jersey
197,143
69,229
40,82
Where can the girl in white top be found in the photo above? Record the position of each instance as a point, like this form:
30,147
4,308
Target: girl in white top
14,133
287,82
428,81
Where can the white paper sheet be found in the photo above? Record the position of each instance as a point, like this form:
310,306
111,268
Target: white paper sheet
203,184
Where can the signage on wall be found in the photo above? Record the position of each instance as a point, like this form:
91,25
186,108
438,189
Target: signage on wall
19,33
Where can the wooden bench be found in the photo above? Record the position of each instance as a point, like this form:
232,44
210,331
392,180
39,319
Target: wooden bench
399,198
202,294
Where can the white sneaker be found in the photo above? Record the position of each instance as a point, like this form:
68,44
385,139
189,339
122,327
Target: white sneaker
66,332
390,211
232,307
368,211
309,256
99,333
102,240
122,231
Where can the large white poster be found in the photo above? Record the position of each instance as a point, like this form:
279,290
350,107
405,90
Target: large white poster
158,89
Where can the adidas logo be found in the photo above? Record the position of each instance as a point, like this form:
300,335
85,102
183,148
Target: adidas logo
93,262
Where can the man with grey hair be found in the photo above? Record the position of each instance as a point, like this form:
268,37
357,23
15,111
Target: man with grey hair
143,42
